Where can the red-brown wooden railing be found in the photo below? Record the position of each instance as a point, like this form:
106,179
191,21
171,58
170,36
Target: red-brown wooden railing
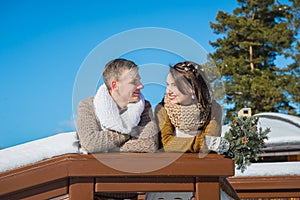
76,176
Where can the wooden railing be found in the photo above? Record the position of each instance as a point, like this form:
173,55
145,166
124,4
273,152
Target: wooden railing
261,187
75,176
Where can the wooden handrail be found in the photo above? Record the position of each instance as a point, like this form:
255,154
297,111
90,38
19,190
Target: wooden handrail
266,186
80,176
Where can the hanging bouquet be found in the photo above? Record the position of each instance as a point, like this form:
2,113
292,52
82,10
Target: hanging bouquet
246,141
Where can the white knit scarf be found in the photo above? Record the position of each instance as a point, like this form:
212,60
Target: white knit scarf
109,115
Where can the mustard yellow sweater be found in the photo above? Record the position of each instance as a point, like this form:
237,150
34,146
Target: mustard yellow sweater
171,143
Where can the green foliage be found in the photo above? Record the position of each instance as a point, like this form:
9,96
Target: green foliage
246,141
251,39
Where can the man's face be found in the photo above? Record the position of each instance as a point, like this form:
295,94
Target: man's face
129,87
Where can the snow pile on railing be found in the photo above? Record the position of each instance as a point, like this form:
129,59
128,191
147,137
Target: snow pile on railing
38,150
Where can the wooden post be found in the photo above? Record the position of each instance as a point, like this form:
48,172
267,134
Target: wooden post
207,188
81,188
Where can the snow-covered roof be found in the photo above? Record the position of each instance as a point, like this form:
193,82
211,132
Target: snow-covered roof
38,150
271,169
285,129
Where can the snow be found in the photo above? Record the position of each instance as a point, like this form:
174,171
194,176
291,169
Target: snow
283,140
38,150
290,118
271,169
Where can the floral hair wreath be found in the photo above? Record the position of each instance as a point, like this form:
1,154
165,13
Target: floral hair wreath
189,67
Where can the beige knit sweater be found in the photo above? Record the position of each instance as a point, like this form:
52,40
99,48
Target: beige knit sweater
93,139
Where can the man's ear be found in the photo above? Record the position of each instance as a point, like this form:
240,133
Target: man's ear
113,84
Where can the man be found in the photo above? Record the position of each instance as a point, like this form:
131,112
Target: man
117,118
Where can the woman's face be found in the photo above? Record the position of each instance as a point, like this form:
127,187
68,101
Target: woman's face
174,94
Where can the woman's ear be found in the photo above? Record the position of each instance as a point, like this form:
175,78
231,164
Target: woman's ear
193,95
191,92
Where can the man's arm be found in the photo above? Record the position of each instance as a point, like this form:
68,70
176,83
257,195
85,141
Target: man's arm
146,134
92,138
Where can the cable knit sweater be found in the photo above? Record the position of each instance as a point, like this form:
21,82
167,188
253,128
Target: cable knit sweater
93,139
171,143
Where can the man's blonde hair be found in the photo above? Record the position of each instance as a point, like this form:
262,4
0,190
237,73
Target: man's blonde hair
115,68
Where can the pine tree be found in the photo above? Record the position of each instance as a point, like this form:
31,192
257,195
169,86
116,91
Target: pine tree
252,37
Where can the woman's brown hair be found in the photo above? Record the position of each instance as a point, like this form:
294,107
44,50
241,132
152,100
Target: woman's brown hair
191,74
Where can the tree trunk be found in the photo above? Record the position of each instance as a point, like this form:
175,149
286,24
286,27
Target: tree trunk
250,47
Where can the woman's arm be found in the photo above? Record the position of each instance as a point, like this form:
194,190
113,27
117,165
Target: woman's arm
212,129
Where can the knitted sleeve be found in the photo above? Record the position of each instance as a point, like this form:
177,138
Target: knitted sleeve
92,138
177,144
212,129
145,134
198,143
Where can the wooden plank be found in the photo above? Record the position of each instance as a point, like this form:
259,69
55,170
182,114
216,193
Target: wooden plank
142,164
145,187
81,188
32,175
144,184
207,188
265,182
44,191
269,194
266,186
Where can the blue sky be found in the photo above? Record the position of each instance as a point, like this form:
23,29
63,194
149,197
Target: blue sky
44,43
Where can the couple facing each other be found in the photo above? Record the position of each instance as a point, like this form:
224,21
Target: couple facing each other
118,118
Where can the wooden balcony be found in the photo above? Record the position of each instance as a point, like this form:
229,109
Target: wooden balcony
76,176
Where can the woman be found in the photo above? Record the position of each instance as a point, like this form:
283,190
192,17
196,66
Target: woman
188,119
